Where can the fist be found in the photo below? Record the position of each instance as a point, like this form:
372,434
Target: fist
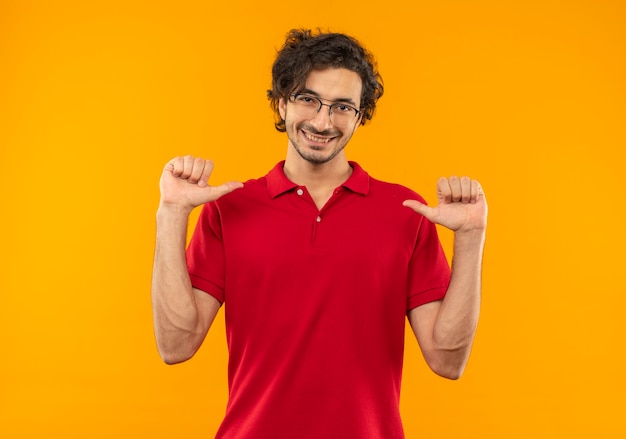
185,183
462,205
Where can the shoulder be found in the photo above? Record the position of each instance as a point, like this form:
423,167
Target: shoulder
254,189
392,191
260,189
376,189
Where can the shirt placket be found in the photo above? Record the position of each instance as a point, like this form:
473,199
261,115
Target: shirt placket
317,217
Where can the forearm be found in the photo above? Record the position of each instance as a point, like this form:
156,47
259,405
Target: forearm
176,317
457,319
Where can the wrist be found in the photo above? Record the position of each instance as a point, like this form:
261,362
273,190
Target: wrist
169,211
472,237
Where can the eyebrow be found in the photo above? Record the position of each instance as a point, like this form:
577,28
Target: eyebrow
338,100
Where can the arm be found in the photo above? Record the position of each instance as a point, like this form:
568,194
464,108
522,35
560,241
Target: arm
182,314
445,329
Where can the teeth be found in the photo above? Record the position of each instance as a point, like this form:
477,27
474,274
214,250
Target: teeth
317,139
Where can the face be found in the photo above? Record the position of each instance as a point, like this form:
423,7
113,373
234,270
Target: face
317,140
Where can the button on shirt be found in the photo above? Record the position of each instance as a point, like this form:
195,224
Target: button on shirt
315,302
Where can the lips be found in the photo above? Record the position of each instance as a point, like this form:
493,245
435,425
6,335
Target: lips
316,139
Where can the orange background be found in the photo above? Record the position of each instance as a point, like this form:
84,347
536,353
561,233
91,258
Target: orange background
529,97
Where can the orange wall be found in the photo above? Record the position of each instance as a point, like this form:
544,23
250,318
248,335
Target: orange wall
529,97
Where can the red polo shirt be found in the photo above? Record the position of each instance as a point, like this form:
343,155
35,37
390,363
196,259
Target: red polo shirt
315,303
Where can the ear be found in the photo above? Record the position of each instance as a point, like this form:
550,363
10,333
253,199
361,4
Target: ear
282,108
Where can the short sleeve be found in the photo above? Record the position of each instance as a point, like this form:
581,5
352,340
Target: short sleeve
205,253
429,271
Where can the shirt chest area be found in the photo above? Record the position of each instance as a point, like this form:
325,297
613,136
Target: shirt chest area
291,227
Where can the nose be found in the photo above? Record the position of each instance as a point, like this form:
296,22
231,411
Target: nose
321,121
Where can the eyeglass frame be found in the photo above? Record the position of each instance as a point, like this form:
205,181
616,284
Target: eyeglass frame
293,96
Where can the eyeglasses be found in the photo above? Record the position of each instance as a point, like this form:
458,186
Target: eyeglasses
307,106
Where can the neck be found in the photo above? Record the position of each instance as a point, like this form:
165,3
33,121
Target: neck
317,176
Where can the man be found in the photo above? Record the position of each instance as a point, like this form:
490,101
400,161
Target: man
318,264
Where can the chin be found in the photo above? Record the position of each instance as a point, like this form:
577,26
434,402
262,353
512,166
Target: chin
317,157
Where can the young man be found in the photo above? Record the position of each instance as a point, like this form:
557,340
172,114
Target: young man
317,263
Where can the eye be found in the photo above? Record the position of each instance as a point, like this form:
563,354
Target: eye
304,99
341,108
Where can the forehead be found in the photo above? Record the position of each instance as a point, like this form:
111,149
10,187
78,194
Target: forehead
335,84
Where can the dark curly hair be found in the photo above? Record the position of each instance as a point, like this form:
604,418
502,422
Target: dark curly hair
305,50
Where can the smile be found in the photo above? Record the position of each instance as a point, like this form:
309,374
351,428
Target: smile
317,139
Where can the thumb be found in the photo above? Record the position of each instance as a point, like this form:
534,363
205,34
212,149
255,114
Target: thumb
420,208
226,188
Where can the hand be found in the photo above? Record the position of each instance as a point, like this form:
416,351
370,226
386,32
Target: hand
462,205
184,183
